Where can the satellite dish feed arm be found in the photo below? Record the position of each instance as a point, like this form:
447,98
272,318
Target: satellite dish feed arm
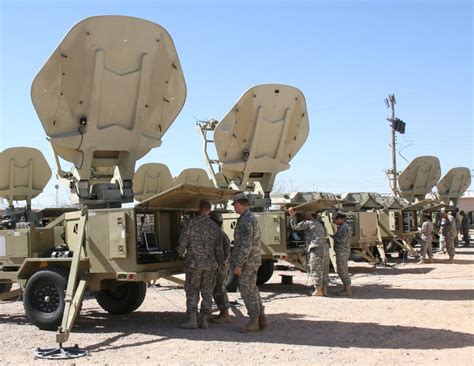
207,128
60,172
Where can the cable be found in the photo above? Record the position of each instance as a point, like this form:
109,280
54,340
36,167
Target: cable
80,144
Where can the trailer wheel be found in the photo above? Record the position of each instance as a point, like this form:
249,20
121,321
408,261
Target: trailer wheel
265,272
356,257
43,298
5,287
392,247
125,298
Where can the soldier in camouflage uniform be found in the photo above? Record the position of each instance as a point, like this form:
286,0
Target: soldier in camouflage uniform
342,247
446,234
454,227
220,292
201,245
246,259
317,249
426,241
465,222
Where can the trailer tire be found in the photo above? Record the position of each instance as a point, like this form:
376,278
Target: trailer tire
265,272
124,299
356,257
5,287
392,247
43,298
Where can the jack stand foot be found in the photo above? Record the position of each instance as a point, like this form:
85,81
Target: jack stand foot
60,353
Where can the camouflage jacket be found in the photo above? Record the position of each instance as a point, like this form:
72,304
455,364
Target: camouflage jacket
226,247
246,241
445,229
201,244
343,236
314,233
454,224
465,223
426,230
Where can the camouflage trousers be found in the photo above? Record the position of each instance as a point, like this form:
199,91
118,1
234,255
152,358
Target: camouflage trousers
318,264
465,236
199,283
249,291
426,247
342,263
220,292
450,247
447,243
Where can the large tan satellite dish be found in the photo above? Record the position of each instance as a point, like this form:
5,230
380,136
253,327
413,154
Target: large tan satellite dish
454,184
151,179
108,94
261,134
193,176
24,174
419,177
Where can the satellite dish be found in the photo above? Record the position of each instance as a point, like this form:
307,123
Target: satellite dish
106,96
25,173
419,177
151,179
193,176
454,184
260,135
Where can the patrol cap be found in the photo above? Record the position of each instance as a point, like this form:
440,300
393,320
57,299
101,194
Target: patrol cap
339,216
240,197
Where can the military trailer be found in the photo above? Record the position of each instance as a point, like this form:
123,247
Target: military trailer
401,216
255,141
105,98
325,205
360,209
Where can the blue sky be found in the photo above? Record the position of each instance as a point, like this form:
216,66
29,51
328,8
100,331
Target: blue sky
346,57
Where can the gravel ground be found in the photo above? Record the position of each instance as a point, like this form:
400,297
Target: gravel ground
403,313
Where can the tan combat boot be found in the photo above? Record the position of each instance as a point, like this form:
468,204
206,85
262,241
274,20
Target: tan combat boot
429,260
422,261
346,292
451,260
252,326
191,323
318,292
222,318
262,319
204,322
325,291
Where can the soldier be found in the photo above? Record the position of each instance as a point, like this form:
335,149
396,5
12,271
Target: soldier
220,292
426,241
454,227
342,247
317,250
446,234
201,245
440,223
246,259
465,228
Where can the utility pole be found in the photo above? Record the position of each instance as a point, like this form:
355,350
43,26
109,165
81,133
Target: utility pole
392,101
397,125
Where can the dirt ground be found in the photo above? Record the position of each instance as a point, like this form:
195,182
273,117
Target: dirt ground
401,314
